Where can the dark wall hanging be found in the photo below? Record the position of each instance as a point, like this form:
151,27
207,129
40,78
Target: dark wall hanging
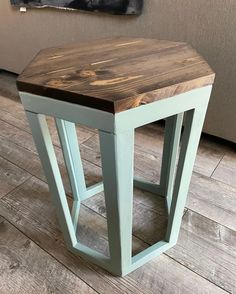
109,6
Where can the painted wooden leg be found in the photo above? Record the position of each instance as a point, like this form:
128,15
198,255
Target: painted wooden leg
117,161
69,143
169,158
47,156
192,130
148,186
117,151
48,159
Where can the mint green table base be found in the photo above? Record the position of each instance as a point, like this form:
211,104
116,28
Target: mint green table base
116,133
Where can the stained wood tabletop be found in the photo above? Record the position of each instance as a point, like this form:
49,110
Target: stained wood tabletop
116,74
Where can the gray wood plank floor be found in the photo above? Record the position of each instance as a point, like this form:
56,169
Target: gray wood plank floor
33,256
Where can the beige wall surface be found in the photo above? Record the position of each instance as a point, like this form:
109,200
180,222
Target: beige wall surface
209,25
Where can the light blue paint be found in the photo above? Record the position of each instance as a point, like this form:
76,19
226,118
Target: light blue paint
90,117
144,114
192,131
116,133
173,127
70,148
94,189
117,167
48,159
148,186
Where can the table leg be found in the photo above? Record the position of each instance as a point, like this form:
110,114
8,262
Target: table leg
48,159
70,148
191,135
117,152
169,157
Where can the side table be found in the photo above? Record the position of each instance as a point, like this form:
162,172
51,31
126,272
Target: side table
115,86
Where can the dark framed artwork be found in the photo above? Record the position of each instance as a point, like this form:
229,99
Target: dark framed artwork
109,6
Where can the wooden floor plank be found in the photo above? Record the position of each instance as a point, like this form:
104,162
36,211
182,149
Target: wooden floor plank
11,176
35,216
207,248
206,196
213,199
14,120
208,156
8,85
20,121
26,268
30,209
18,136
150,162
20,156
226,170
150,139
156,217
24,139
27,159
14,107
204,246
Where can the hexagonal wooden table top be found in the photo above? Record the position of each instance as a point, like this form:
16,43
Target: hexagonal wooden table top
116,74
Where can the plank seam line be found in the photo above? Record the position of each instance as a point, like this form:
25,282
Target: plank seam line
217,166
15,188
215,180
9,123
48,252
28,132
83,143
33,175
198,274
148,243
113,285
93,269
211,220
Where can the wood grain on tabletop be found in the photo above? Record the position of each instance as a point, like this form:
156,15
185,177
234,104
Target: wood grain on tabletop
116,74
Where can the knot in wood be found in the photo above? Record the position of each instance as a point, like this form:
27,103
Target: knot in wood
87,73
